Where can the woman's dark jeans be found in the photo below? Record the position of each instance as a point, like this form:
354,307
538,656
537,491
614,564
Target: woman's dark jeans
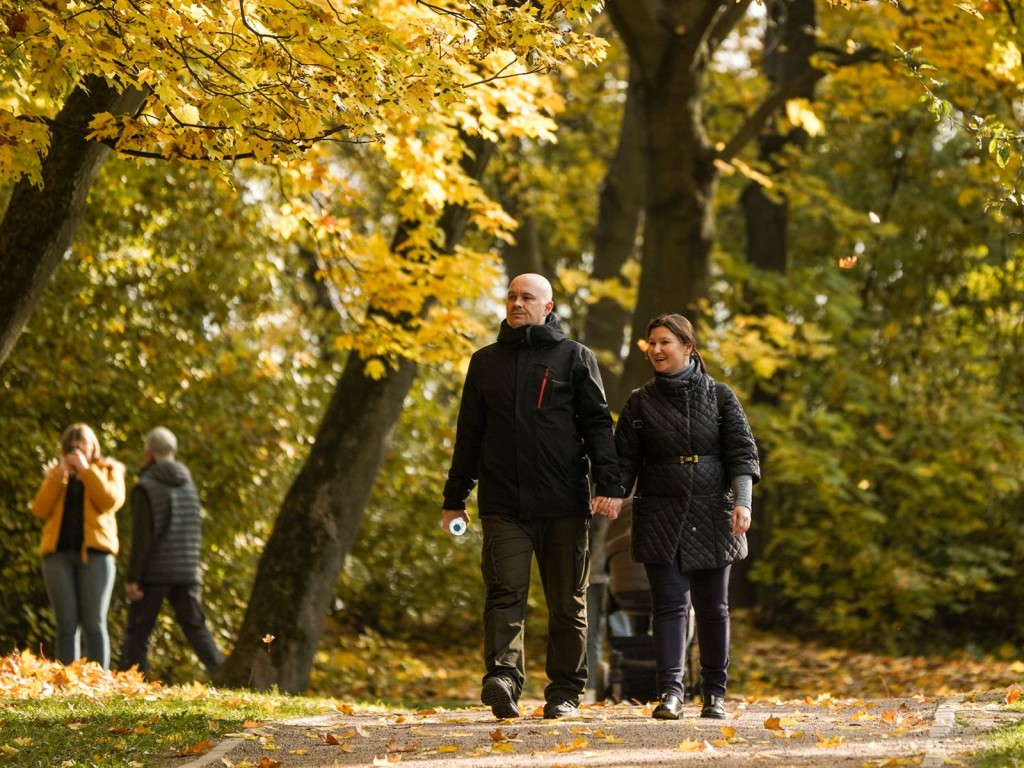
671,593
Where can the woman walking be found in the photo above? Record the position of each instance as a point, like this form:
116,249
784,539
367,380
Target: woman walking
685,441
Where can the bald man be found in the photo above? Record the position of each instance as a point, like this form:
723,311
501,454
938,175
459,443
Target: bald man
533,427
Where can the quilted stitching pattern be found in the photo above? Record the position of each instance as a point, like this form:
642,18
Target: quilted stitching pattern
687,508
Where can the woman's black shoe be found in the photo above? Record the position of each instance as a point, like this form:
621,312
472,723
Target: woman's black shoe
669,708
713,707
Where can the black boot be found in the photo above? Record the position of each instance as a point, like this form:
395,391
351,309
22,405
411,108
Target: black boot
669,709
713,707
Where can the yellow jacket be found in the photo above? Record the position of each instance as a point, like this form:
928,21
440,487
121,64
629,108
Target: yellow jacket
104,495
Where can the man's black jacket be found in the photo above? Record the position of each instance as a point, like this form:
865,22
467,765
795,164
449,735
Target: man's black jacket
533,421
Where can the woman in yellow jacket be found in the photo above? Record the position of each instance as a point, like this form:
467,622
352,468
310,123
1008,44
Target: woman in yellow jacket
78,500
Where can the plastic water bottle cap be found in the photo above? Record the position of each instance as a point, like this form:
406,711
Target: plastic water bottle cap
457,527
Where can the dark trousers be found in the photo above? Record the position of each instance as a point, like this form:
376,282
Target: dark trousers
671,593
561,547
188,609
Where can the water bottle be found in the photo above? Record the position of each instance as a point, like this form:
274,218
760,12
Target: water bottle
457,527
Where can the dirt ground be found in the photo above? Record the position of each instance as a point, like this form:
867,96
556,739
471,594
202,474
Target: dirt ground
918,731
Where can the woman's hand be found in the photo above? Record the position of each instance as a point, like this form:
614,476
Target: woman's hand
740,520
75,461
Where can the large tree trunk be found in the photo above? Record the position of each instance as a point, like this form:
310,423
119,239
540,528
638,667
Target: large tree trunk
789,44
670,44
320,516
314,532
616,238
40,222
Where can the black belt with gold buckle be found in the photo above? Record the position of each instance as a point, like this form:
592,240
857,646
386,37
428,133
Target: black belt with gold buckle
695,459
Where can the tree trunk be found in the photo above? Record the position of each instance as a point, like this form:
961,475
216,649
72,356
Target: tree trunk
320,516
314,531
670,44
40,222
789,44
616,238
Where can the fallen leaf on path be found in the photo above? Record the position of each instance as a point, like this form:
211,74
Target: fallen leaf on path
503,746
1012,694
728,732
773,724
693,745
266,762
196,749
393,746
829,743
573,746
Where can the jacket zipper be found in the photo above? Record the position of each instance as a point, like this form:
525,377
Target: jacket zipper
543,386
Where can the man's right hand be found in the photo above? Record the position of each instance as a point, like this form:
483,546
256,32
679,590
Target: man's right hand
448,515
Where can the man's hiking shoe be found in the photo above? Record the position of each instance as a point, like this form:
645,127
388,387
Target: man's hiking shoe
559,708
497,694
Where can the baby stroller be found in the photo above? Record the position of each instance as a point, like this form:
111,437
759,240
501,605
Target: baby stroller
631,674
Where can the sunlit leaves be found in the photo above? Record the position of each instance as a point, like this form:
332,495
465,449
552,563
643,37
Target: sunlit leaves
268,79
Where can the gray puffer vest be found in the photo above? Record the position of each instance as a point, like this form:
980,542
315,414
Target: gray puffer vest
682,443
177,524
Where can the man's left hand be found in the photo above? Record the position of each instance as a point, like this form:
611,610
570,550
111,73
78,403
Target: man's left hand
609,506
133,592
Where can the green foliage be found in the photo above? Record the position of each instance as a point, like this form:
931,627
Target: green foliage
183,313
880,380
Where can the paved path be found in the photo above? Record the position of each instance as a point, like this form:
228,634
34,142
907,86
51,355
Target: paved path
822,733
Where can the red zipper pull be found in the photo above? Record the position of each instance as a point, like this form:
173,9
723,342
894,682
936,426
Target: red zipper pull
543,386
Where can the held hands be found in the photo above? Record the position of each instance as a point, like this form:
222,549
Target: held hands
448,515
740,520
133,592
609,506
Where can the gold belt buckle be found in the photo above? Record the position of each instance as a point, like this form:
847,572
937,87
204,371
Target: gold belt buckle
688,459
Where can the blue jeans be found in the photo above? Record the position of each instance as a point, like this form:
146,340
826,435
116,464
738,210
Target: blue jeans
80,595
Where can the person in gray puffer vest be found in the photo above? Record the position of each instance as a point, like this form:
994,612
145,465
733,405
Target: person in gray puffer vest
165,550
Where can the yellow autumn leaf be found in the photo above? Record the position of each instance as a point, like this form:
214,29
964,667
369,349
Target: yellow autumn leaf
829,743
693,745
572,746
800,114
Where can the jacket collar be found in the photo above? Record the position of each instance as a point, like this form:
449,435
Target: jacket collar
545,335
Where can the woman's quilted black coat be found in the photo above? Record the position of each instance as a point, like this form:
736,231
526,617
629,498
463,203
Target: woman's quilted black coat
685,508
